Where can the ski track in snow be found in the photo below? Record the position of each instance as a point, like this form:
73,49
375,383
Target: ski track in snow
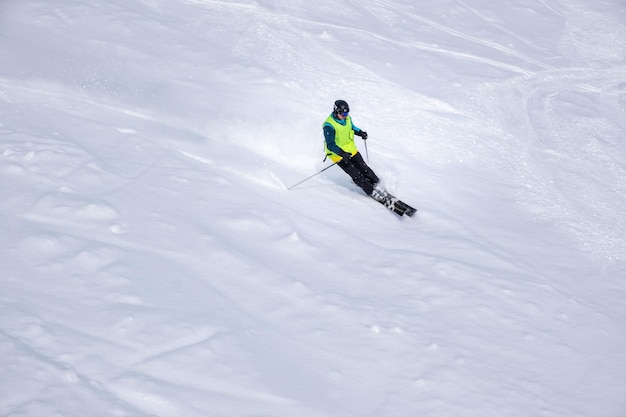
155,264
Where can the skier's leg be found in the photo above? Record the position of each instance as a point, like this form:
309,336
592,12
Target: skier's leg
356,174
367,172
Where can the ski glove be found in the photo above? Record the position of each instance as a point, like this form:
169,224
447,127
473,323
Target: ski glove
345,155
361,133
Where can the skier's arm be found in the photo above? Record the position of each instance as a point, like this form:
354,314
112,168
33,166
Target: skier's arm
359,132
329,137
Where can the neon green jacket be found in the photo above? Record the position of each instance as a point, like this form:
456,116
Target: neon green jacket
339,136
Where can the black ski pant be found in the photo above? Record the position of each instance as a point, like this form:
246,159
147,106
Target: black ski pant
361,174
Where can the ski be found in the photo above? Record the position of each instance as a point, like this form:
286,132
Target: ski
408,210
393,203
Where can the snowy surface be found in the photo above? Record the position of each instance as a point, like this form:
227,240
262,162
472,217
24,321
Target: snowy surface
153,262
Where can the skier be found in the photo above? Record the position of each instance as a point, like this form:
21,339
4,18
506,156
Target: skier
339,144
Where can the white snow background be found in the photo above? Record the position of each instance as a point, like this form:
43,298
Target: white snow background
154,263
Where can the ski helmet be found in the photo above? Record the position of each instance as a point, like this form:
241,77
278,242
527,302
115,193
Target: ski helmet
341,106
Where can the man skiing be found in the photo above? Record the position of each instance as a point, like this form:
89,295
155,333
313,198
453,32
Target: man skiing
339,143
339,134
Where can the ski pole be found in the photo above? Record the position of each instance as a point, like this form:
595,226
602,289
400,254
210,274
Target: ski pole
308,178
367,155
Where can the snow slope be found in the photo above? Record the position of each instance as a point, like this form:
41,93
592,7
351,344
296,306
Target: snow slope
155,264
